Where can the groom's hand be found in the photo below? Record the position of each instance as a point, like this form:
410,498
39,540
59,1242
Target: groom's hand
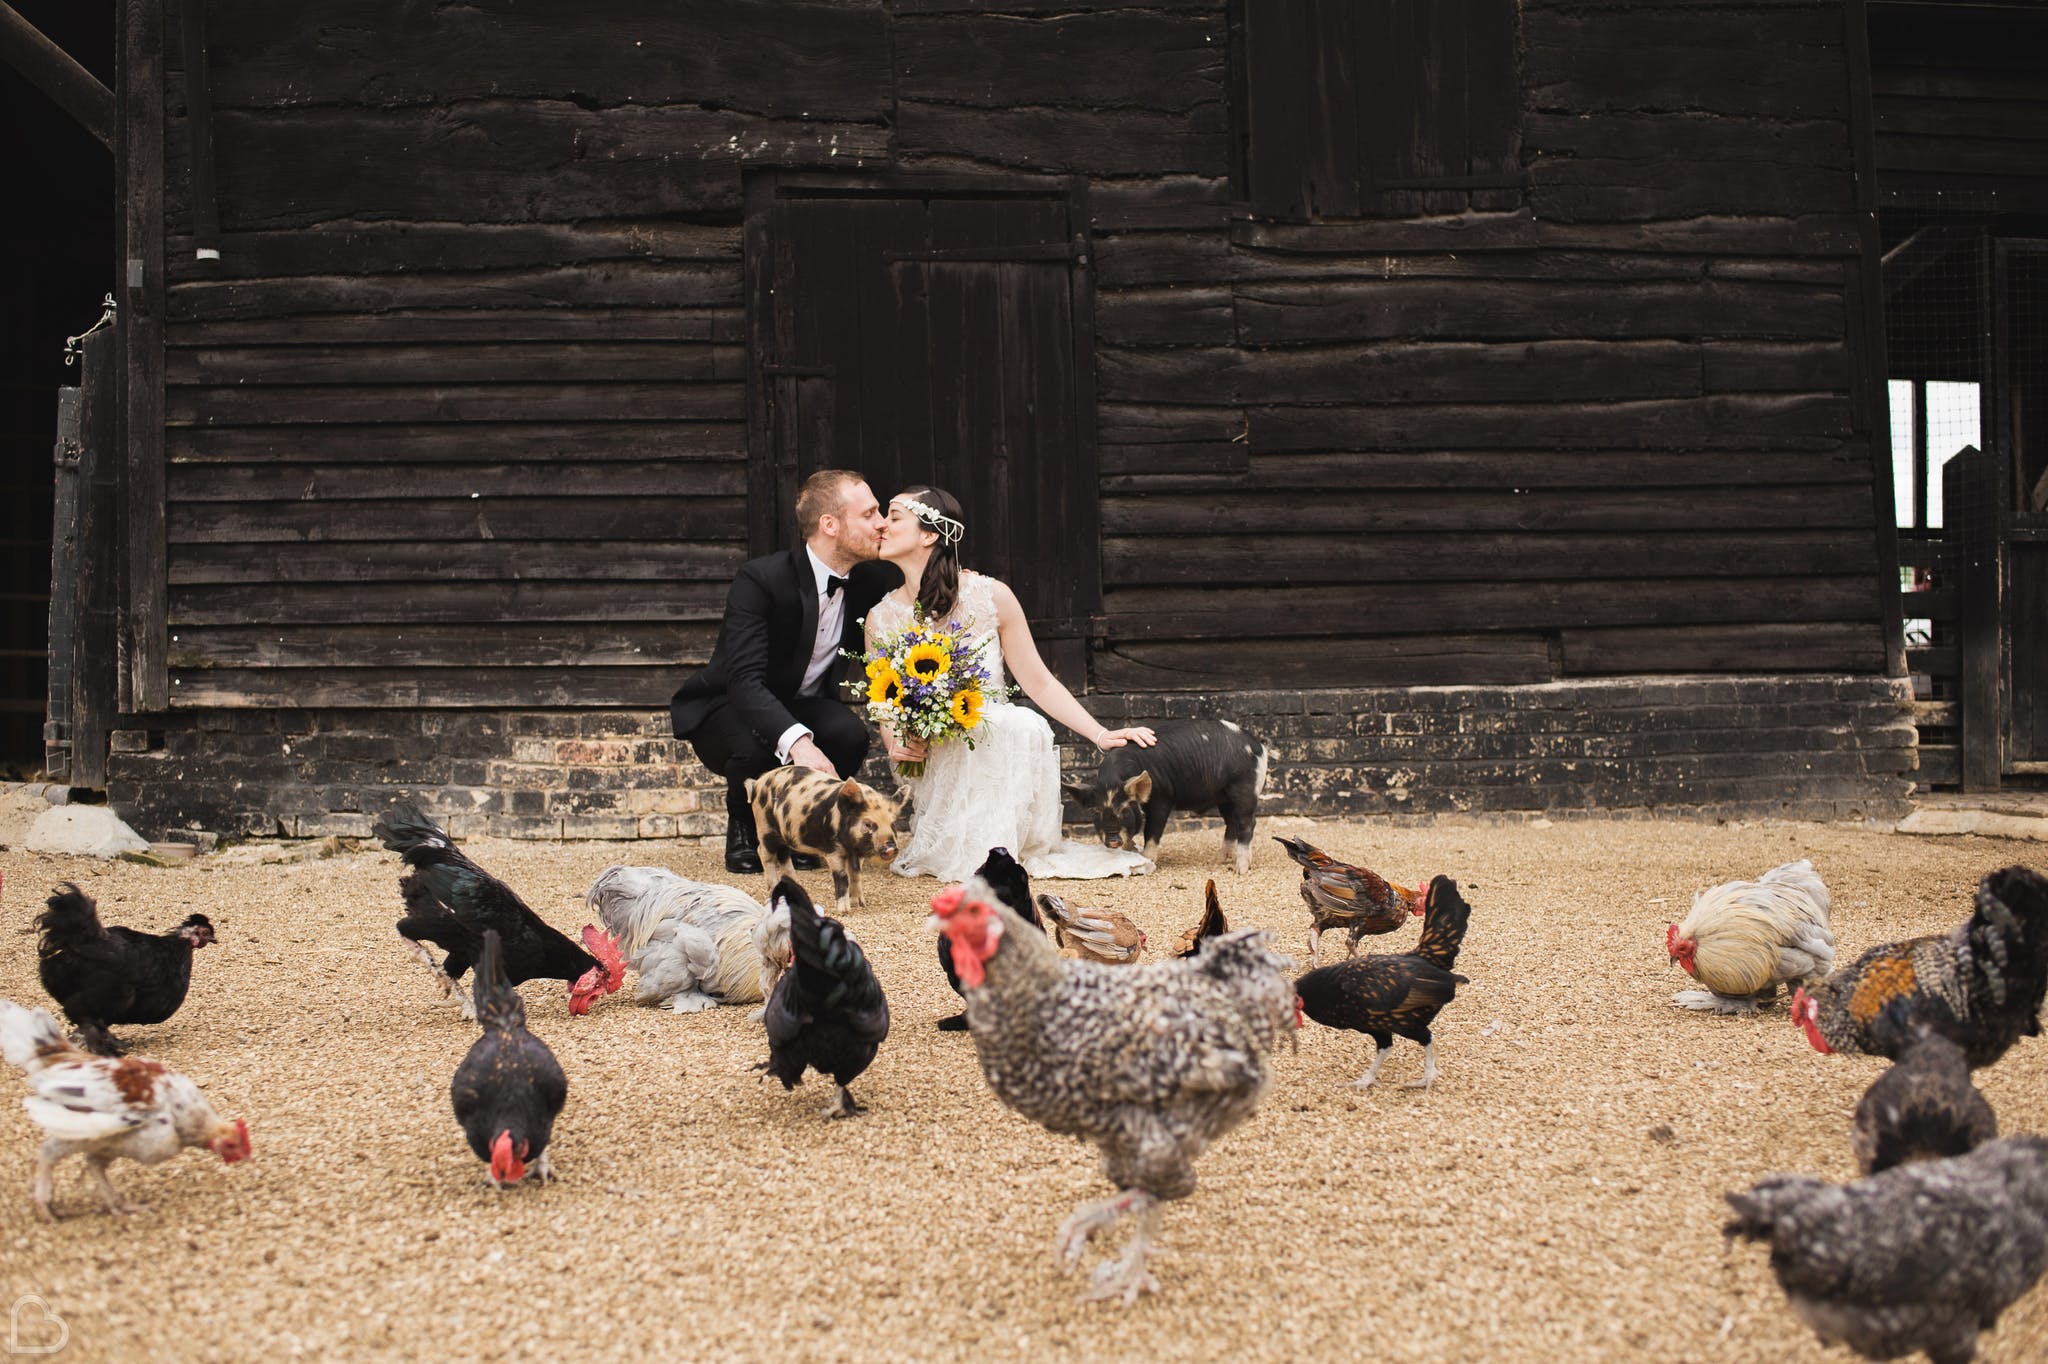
806,753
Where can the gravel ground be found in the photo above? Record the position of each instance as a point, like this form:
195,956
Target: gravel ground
1557,1196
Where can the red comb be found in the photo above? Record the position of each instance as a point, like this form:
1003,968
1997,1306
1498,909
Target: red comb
605,948
948,900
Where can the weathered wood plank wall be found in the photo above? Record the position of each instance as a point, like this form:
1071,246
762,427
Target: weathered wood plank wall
458,419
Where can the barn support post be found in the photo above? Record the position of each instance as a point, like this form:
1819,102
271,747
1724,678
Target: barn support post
1969,489
144,636
1866,286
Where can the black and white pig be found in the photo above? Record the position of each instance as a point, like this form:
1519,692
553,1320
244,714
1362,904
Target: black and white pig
1197,765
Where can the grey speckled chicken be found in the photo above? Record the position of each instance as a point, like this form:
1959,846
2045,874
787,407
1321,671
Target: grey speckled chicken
1921,1257
1150,1063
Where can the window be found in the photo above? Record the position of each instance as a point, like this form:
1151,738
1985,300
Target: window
1379,108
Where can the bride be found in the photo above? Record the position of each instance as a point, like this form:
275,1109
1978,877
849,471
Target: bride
1005,791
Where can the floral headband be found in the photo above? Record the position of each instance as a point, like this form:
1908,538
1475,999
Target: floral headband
934,520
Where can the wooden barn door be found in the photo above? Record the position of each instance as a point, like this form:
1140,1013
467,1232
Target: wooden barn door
934,337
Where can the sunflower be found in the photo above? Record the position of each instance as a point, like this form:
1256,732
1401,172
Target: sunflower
966,707
928,662
884,688
880,667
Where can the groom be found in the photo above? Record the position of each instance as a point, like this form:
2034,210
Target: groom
769,695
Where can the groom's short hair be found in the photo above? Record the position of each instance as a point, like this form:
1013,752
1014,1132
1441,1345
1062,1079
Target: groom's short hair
821,495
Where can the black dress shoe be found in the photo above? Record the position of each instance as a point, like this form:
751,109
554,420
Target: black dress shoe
806,861
740,855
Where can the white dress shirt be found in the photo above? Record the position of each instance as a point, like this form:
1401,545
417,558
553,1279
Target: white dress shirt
824,648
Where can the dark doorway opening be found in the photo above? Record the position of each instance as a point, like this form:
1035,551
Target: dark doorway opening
57,244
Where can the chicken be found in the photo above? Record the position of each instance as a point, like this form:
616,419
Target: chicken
828,1011
1395,994
1980,985
103,976
509,1089
1339,895
1922,1108
450,901
1921,1257
107,1108
1149,1063
694,943
1094,934
1012,885
1212,924
1743,939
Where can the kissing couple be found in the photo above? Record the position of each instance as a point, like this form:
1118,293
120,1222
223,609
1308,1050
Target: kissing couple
771,693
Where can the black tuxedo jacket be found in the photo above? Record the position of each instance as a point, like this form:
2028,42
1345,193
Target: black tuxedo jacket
771,623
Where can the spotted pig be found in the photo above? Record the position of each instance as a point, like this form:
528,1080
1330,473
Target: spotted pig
799,809
1196,765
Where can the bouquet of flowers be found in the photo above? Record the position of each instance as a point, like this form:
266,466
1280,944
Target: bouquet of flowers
927,681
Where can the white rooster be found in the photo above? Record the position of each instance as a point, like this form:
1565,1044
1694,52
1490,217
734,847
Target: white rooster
1743,939
694,943
106,1108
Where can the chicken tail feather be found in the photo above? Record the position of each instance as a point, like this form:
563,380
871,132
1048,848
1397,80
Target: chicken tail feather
70,919
30,1038
498,1005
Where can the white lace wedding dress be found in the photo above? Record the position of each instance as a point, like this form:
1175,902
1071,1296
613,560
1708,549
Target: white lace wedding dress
1002,793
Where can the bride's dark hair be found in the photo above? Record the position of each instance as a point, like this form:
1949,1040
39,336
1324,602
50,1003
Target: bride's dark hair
940,587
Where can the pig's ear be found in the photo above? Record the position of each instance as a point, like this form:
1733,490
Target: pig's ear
1082,791
1139,788
849,791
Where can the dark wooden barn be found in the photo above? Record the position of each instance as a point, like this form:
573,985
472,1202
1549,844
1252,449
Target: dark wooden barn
1487,403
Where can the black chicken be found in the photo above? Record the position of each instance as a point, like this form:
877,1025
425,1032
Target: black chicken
1922,1108
1012,886
1395,994
509,1089
103,976
827,1012
450,902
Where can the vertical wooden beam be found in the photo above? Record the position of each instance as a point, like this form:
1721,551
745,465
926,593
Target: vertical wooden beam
199,126
1969,490
144,642
97,618
1865,314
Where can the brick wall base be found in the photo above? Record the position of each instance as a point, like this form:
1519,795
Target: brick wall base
1807,747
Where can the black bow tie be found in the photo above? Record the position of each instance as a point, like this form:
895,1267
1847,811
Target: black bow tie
832,585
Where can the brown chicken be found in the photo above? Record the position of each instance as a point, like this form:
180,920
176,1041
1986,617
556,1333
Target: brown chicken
1212,925
1095,934
1339,895
1150,1063
1395,994
1979,985
1922,1108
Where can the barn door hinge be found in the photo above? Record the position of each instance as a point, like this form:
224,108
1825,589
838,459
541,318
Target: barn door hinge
799,371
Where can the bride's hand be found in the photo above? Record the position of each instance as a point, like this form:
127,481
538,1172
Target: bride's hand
907,750
1141,735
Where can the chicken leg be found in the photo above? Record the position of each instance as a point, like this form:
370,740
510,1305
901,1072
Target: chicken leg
1126,1276
449,986
1428,1067
1379,1057
116,1204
